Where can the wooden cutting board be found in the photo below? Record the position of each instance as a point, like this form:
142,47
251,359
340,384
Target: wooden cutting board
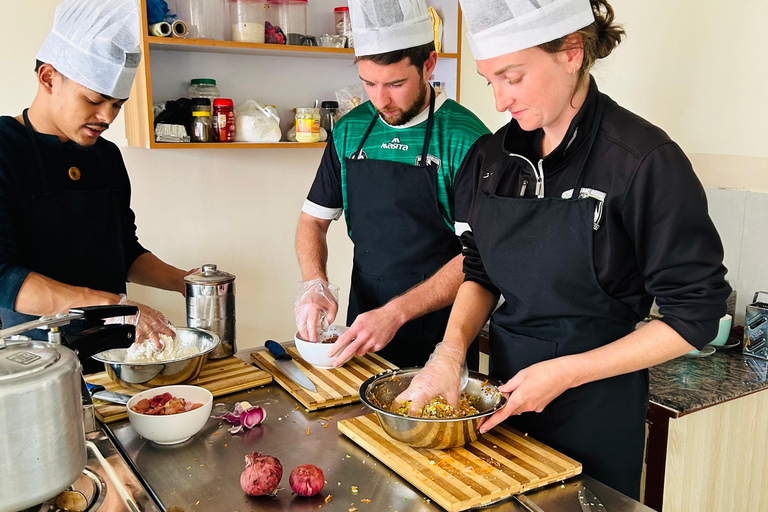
220,377
500,464
334,387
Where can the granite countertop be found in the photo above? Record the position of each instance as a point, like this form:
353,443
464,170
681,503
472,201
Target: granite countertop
685,385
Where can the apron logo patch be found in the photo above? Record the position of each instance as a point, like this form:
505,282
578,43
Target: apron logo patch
354,156
395,144
431,160
595,194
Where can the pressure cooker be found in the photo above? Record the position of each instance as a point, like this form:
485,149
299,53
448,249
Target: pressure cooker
42,402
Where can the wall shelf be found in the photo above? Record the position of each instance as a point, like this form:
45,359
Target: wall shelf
274,50
236,145
312,73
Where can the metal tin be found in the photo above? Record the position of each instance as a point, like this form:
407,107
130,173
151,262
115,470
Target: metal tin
211,306
756,328
42,423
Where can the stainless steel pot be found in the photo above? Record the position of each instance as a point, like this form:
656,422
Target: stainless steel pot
41,420
211,306
44,413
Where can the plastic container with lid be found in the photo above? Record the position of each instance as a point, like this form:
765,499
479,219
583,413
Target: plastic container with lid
224,120
291,17
246,18
205,19
307,125
203,88
344,24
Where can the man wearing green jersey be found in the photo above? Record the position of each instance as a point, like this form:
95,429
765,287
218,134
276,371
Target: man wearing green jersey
392,167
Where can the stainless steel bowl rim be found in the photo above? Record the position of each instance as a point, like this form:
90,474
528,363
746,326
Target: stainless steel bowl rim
216,343
394,373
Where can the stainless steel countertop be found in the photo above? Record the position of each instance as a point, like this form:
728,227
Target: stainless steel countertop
206,468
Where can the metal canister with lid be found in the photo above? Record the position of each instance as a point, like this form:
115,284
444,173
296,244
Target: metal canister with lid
211,306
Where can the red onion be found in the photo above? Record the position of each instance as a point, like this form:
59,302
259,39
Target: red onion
244,415
261,475
307,480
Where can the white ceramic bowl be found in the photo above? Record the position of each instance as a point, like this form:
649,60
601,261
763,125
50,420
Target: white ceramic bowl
316,354
174,428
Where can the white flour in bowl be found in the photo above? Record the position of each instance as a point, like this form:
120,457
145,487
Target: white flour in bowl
145,352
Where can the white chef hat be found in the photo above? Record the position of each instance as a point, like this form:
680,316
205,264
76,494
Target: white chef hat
497,27
381,26
96,44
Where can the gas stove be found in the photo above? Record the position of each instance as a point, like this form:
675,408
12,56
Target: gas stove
107,484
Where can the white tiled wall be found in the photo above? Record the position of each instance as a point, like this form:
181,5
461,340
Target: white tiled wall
742,220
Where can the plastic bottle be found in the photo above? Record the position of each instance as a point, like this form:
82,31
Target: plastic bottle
307,125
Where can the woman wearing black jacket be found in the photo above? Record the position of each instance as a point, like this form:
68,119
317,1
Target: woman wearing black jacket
583,213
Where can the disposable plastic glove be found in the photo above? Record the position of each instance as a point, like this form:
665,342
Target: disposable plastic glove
149,322
445,374
315,307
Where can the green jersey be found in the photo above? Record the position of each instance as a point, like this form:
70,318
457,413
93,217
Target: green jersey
454,132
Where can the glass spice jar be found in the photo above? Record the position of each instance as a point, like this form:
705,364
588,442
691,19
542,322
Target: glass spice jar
224,120
201,120
307,125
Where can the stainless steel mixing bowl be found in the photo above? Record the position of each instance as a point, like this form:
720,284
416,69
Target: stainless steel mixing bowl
423,432
151,375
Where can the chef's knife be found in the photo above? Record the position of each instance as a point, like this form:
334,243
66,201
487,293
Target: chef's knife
100,393
589,502
285,362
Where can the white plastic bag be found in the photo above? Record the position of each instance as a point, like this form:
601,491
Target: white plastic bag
350,97
255,123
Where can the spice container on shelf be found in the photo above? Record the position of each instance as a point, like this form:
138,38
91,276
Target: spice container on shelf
224,120
205,19
307,125
344,24
246,18
201,120
291,17
329,111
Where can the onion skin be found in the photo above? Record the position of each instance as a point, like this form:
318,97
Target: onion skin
261,475
307,480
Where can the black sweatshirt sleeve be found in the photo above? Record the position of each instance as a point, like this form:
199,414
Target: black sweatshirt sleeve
132,249
12,273
678,248
474,270
463,186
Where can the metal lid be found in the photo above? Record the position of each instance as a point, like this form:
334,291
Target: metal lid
21,358
209,274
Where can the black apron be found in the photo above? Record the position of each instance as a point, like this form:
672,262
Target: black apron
539,253
400,239
72,236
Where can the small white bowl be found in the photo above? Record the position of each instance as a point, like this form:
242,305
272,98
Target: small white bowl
316,354
174,428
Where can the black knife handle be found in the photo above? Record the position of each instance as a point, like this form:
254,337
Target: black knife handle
277,350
